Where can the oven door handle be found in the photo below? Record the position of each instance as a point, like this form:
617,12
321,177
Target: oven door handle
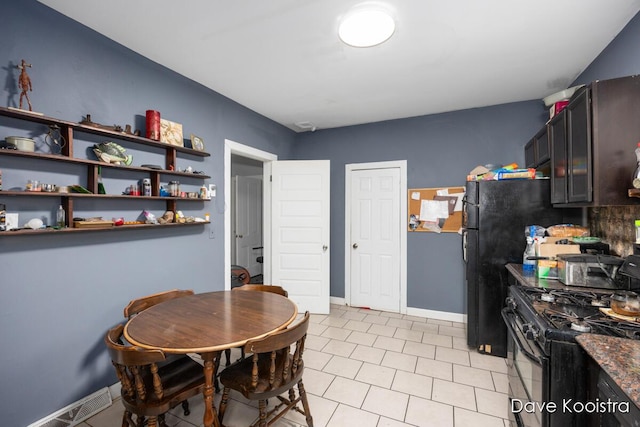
507,315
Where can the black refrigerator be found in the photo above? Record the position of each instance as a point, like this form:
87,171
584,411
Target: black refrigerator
494,220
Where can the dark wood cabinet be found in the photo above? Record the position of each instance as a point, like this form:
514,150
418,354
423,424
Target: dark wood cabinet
592,144
536,152
558,139
530,154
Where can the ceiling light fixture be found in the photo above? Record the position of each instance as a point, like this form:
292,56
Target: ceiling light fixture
366,25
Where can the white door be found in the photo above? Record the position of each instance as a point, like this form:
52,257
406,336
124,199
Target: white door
248,226
374,241
300,232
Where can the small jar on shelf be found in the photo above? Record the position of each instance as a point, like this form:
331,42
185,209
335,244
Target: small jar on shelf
174,189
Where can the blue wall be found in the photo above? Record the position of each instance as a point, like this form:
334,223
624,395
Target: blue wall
440,151
59,294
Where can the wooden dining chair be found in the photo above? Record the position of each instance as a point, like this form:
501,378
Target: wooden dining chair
140,304
263,288
270,371
260,288
149,390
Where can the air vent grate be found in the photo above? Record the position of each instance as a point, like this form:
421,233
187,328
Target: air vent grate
78,411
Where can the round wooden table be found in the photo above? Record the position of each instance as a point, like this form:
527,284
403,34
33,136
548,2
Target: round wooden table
207,324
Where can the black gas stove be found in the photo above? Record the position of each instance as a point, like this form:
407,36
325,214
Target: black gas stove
568,312
547,368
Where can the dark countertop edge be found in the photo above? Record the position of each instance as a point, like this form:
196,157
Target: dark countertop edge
619,358
533,281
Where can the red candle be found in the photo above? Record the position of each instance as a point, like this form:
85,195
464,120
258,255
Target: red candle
153,125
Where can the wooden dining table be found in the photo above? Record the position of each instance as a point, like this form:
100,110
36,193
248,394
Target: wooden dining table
207,324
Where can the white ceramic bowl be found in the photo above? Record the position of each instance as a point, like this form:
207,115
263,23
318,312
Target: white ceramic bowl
21,143
559,96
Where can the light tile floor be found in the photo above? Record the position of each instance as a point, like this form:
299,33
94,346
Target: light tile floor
370,368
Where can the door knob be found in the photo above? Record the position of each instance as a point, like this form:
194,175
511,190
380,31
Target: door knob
239,236
355,246
324,248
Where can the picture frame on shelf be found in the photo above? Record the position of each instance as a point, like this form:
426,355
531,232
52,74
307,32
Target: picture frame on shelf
171,133
197,143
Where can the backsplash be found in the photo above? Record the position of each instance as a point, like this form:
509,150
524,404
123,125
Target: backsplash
616,226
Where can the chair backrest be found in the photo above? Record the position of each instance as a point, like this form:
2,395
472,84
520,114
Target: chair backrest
131,364
277,345
140,304
263,288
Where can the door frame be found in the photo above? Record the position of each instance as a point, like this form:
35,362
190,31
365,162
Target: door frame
232,147
402,228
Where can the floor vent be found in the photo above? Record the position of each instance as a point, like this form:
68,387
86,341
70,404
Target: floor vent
78,411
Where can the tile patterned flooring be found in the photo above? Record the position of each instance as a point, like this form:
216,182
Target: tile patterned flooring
370,368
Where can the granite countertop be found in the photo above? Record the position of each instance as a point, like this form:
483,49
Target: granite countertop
532,280
619,358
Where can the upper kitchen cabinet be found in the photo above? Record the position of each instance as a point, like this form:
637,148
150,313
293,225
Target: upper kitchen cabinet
592,144
536,152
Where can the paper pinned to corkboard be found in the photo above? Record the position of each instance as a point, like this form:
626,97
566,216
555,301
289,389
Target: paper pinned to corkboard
436,209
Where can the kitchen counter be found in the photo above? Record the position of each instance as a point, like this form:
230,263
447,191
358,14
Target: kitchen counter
619,358
533,281
515,270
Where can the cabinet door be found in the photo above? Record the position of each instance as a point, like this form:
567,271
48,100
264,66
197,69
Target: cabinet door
580,169
530,154
558,140
542,146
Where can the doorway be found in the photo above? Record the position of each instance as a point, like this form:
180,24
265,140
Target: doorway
376,235
243,167
246,214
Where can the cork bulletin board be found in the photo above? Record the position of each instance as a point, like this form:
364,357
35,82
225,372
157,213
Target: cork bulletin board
427,216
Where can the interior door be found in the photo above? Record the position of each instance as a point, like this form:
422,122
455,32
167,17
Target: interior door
248,226
375,238
300,232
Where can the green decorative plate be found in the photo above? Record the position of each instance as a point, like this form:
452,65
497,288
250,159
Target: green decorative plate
586,239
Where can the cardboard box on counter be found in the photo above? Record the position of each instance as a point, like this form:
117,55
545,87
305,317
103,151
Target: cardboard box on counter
548,268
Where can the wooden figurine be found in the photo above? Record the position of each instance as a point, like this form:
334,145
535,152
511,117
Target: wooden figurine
24,83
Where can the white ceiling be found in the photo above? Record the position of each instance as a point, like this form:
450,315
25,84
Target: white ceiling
283,59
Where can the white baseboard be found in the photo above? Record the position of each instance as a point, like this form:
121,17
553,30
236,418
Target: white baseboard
337,301
420,312
439,315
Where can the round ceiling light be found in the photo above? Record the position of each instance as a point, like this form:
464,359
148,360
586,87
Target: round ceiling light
366,26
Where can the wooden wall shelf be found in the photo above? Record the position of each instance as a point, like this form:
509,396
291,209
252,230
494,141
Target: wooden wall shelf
68,130
50,230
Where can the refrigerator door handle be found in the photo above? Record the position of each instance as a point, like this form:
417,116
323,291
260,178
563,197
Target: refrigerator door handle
464,245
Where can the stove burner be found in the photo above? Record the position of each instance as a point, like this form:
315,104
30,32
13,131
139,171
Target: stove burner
560,314
580,326
599,303
547,297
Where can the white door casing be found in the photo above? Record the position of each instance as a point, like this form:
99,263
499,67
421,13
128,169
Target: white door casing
248,222
375,230
300,232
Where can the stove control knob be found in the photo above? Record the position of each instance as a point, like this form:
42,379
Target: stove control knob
530,331
511,303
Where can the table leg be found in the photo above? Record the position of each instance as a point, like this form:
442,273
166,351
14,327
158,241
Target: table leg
210,415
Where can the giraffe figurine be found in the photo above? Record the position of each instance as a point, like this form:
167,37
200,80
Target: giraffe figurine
24,83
